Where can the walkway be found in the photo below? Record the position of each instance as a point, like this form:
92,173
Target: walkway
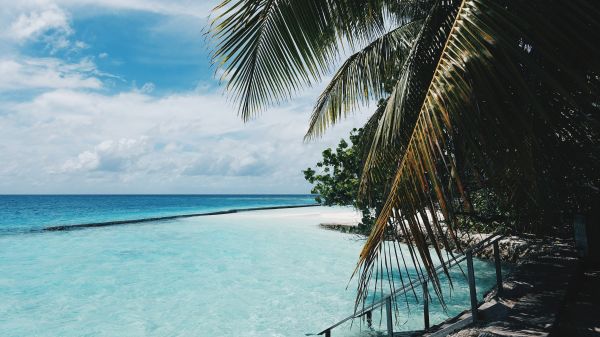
533,295
581,313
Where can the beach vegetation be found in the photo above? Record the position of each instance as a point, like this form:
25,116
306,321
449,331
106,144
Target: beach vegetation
336,179
496,97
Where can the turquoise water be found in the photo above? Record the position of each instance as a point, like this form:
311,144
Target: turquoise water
22,213
263,273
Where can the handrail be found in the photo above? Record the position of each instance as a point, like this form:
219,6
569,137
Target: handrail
467,254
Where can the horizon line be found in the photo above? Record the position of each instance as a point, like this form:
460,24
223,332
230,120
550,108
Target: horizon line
142,194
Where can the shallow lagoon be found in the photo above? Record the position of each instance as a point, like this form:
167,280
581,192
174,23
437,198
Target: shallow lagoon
264,273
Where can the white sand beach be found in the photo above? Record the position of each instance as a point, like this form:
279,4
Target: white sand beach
312,215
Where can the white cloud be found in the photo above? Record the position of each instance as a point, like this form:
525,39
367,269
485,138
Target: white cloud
109,155
227,158
67,141
33,24
43,73
43,22
81,45
85,161
73,137
147,88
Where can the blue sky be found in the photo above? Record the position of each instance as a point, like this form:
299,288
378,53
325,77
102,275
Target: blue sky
118,96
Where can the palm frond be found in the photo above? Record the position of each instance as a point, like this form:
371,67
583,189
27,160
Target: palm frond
362,77
481,107
493,87
401,110
266,50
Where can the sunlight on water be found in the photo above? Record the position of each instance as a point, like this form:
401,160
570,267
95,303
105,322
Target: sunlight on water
265,273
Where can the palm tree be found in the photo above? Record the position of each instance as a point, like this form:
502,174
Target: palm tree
494,93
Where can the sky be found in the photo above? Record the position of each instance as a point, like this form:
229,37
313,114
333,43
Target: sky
119,96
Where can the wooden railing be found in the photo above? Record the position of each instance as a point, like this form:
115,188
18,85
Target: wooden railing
387,300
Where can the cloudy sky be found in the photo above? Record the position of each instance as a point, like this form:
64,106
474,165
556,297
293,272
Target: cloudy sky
118,96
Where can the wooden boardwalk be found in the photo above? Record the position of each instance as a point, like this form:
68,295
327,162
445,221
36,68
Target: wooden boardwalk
532,297
581,313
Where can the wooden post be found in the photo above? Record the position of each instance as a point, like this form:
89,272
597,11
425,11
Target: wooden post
390,325
499,286
328,333
426,305
369,315
472,289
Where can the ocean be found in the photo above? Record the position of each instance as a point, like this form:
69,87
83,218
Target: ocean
24,213
258,273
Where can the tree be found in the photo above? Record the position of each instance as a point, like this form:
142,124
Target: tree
336,179
494,94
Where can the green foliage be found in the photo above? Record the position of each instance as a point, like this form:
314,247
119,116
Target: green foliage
336,178
491,213
492,112
337,183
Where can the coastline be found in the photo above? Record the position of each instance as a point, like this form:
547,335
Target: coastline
140,256
154,279
543,273
169,217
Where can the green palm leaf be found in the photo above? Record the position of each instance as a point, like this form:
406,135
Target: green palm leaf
489,88
268,49
362,77
476,67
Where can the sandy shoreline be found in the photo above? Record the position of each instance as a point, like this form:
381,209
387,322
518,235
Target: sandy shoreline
337,215
322,214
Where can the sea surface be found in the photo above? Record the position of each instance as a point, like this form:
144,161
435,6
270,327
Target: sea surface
259,273
23,213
